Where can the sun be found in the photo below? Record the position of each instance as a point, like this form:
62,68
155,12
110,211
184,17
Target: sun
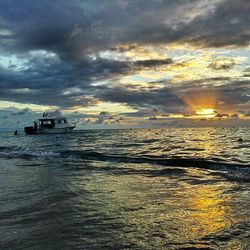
202,103
206,112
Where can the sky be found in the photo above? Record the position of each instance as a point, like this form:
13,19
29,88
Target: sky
125,63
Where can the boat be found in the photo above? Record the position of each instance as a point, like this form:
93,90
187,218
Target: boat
50,125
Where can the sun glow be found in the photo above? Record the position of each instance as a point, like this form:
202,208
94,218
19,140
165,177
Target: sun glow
206,112
202,103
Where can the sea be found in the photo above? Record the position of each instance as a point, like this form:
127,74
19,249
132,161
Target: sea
169,188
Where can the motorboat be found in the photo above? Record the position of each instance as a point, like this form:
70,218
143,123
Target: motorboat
50,125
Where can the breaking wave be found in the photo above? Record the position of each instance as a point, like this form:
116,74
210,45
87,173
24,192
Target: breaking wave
232,169
15,152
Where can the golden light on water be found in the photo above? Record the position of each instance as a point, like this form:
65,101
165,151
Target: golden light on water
211,210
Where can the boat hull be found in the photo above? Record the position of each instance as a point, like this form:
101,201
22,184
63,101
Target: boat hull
31,130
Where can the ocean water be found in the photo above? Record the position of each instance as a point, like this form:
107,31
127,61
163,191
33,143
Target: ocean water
126,189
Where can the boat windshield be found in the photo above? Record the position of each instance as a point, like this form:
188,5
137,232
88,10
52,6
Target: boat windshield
48,123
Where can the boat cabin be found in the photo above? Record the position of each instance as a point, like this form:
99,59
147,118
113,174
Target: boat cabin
52,122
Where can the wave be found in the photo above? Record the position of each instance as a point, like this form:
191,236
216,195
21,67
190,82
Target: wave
213,163
14,152
231,171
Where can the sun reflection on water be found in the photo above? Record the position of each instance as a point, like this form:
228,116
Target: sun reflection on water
210,210
170,205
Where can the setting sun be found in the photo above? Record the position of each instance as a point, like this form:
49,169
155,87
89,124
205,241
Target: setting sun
206,112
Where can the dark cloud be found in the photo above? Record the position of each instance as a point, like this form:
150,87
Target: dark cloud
226,115
71,84
227,25
104,113
234,115
153,62
221,115
161,98
246,72
234,93
105,118
222,64
153,118
75,29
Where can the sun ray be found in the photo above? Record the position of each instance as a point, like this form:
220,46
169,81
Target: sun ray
201,103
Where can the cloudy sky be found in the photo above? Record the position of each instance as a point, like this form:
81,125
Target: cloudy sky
125,63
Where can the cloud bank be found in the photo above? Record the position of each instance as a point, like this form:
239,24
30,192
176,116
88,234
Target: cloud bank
140,54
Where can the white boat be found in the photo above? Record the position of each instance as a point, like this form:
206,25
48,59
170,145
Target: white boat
51,125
